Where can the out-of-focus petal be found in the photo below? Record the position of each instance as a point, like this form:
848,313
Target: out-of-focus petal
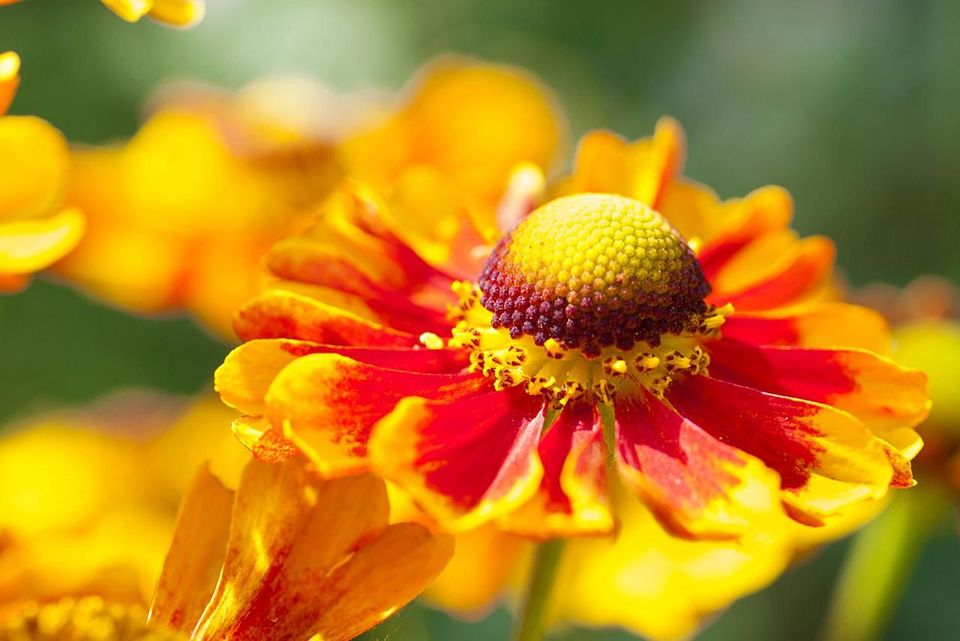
196,553
34,166
465,461
178,13
27,246
9,78
812,326
328,404
698,485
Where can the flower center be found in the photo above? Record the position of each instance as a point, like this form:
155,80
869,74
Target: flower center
86,619
590,294
594,270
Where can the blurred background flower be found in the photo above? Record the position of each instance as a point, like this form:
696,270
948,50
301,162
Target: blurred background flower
851,109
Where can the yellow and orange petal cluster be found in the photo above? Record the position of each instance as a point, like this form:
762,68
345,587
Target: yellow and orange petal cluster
83,548
36,226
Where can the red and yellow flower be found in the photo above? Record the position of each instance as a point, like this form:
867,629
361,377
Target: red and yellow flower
35,227
635,320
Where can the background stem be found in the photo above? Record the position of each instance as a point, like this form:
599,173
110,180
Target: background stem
531,621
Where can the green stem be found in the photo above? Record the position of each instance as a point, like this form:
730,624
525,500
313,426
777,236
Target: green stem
878,566
531,623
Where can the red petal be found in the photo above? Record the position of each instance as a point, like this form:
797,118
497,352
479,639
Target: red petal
827,459
572,499
875,389
465,461
328,404
697,485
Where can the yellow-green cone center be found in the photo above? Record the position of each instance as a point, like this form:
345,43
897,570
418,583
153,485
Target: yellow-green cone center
592,271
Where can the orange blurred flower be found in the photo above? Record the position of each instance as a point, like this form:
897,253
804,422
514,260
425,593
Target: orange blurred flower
35,228
725,394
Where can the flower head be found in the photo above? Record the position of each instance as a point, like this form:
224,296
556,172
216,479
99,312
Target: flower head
35,229
694,355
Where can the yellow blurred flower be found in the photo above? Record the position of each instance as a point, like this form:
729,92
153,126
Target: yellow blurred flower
176,13
35,228
180,215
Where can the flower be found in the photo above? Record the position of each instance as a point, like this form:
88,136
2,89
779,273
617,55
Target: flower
285,556
147,248
723,393
175,13
90,496
35,230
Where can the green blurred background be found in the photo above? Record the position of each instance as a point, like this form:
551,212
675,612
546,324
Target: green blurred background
852,106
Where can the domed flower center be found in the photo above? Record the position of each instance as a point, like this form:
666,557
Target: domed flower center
86,619
590,294
591,271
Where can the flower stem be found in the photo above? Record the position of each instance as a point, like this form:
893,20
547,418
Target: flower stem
531,622
878,566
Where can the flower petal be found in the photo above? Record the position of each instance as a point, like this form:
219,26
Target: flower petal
178,13
247,372
697,485
872,388
193,562
572,498
34,165
815,326
328,404
301,548
774,270
27,246
465,461
9,78
827,459
283,314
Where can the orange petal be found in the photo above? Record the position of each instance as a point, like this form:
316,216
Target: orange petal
465,461
34,167
572,499
696,484
302,550
9,78
814,326
773,271
27,246
193,562
283,314
827,459
328,404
